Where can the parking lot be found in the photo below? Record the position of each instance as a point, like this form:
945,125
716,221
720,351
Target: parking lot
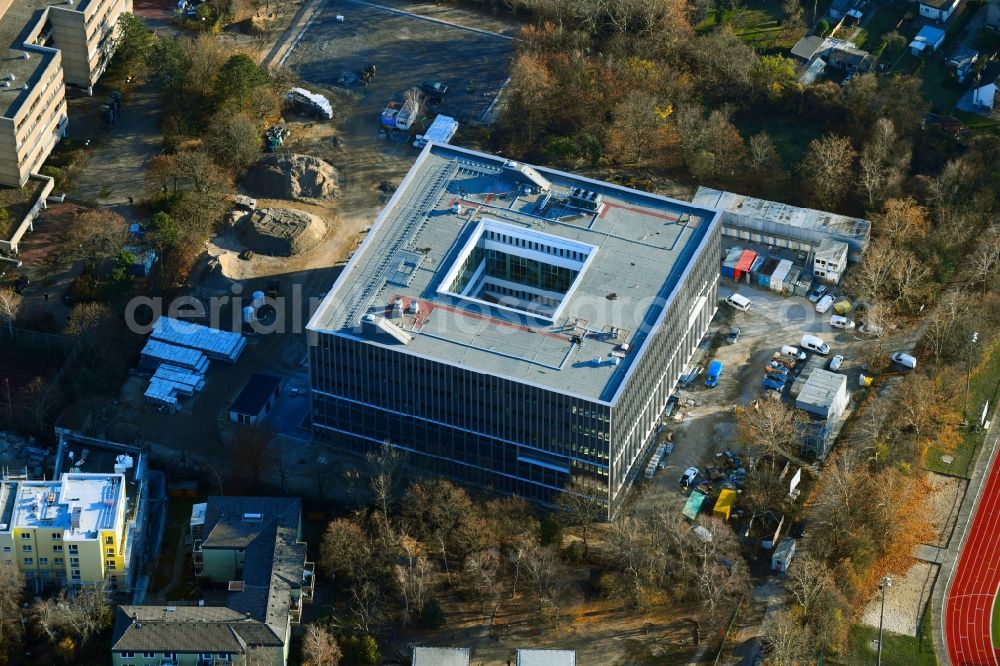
707,420
406,50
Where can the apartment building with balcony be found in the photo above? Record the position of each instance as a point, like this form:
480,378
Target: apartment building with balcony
251,550
44,46
70,532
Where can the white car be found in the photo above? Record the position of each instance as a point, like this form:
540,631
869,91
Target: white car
836,362
841,322
824,304
688,477
903,359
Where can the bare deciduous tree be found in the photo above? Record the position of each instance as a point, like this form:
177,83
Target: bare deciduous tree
790,641
808,578
83,615
320,647
11,592
10,307
827,169
579,507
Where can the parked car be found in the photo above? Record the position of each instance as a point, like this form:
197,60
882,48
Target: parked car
773,384
841,322
814,344
738,301
793,352
734,335
824,304
836,362
818,292
903,359
713,374
688,477
21,284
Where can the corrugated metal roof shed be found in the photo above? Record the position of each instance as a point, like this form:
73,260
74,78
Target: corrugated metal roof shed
429,656
820,391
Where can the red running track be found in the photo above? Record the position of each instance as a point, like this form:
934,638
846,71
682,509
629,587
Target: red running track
969,606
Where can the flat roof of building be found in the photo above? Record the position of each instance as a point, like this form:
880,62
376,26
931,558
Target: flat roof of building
821,388
435,656
627,252
783,214
79,504
258,390
15,23
546,657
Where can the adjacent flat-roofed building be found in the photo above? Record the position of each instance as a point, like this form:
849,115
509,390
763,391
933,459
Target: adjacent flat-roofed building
515,327
437,656
67,532
546,657
47,46
781,225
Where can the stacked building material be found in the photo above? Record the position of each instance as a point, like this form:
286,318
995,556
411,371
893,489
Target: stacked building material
156,353
213,343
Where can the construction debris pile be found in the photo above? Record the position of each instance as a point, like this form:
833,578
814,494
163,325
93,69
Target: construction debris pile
292,176
281,232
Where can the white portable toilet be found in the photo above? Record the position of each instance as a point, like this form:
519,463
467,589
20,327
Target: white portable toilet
258,300
249,314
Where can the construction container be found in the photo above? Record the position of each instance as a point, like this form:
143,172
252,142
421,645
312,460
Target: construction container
693,505
730,262
764,274
843,306
744,264
724,505
789,281
778,277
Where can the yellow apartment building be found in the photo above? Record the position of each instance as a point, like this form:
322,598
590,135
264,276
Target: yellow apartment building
67,532
44,46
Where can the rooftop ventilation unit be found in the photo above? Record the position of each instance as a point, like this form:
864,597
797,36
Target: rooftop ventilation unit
26,56
525,173
584,199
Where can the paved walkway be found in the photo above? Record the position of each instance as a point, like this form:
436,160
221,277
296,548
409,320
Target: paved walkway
119,154
966,580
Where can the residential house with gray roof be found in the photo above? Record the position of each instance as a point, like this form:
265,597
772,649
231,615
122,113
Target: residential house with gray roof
252,546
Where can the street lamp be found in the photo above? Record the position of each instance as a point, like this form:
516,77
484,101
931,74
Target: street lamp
968,376
886,582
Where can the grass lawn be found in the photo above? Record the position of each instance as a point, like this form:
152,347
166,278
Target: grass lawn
984,385
898,650
178,518
939,86
996,622
757,23
978,123
14,204
885,20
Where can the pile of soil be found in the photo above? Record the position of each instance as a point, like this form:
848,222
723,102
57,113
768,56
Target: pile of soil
292,176
281,232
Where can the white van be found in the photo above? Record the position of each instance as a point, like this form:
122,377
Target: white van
824,304
904,360
741,303
793,352
841,322
814,344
